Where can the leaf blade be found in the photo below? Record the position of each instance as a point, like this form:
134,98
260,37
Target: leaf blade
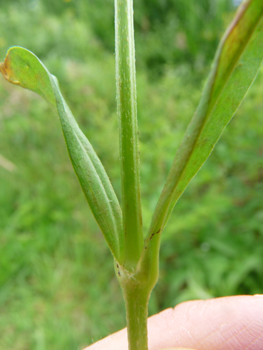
236,64
22,67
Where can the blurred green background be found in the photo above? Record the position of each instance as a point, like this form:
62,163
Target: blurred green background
57,284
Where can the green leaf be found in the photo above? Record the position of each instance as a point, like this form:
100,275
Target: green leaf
23,68
235,67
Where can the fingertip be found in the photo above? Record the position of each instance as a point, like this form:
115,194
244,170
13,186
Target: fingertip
222,323
229,323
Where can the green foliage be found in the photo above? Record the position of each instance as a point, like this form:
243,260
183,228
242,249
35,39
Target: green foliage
22,67
235,67
51,281
167,28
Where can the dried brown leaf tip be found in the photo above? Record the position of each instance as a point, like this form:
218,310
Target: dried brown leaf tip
3,69
6,71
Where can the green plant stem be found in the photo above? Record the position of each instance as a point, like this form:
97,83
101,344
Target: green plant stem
136,292
127,113
136,302
135,280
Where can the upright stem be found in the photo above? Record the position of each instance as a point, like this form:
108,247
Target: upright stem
136,289
136,302
137,275
127,113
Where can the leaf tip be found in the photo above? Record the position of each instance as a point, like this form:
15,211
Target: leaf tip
7,72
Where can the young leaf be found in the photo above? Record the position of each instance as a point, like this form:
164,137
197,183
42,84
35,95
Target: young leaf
235,67
23,68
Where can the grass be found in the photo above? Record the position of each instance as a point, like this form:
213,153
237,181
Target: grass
57,285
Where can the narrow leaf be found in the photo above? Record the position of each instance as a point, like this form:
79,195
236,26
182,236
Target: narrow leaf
235,67
23,68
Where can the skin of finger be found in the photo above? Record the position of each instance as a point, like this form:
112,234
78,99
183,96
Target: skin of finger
229,323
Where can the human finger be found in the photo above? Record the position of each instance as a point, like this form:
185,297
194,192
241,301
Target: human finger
234,323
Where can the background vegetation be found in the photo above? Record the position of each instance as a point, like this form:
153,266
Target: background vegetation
57,285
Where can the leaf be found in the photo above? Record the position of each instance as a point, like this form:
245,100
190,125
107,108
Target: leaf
22,67
235,67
